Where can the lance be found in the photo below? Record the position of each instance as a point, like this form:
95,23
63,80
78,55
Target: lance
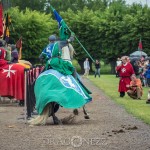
76,38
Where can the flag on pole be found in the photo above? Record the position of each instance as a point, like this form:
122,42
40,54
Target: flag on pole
6,29
19,46
1,19
63,29
19,43
140,48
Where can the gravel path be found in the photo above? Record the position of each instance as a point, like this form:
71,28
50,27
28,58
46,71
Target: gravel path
110,128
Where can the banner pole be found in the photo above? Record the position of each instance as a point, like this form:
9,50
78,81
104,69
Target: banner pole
25,96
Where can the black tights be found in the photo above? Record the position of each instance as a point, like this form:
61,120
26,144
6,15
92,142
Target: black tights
122,94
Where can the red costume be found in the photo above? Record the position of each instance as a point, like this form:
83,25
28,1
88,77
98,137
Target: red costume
11,78
3,62
125,72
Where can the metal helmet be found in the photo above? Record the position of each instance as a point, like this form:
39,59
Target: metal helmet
52,38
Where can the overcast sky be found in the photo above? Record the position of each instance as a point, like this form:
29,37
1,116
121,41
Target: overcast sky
143,2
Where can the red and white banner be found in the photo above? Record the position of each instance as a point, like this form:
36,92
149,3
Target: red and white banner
12,81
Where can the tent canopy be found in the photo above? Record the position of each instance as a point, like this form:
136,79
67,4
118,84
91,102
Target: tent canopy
138,54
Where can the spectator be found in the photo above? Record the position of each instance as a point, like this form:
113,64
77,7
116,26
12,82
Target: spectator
147,76
97,68
135,88
148,97
118,63
125,71
135,66
8,51
3,61
14,54
148,64
128,59
143,78
86,67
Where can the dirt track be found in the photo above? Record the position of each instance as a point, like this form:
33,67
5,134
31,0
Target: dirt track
109,128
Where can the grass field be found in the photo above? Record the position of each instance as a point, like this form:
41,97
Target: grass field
139,108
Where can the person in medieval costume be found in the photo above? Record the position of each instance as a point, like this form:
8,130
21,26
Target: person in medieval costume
57,83
12,78
8,51
135,88
125,71
52,56
3,61
58,78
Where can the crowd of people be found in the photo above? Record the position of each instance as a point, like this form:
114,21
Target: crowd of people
10,55
134,74
11,51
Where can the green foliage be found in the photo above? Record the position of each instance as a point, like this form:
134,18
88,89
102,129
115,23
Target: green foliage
120,28
105,68
109,84
84,25
61,5
106,30
76,65
38,5
34,27
75,5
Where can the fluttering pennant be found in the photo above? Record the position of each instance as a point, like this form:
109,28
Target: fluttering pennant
140,47
19,46
65,31
1,19
6,28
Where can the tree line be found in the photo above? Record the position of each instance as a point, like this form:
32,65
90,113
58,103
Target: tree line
106,29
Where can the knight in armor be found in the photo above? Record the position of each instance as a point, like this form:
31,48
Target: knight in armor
52,56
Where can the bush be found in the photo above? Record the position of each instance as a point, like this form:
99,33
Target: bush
105,68
76,65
